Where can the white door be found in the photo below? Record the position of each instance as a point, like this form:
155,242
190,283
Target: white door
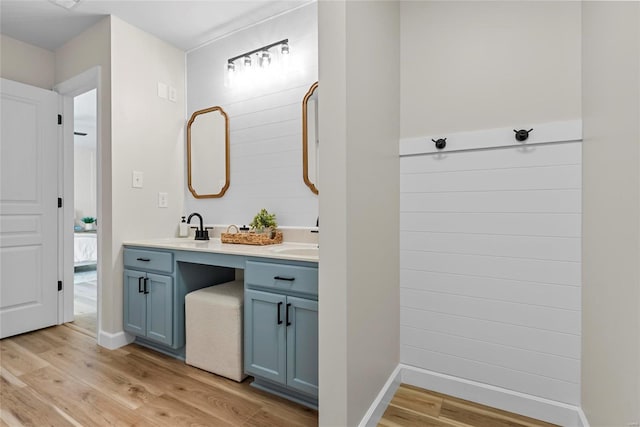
28,208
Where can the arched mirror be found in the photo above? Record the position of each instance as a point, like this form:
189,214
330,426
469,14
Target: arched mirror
208,153
310,140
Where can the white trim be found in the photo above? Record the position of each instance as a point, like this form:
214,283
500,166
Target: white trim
584,422
485,394
114,341
379,405
543,133
83,82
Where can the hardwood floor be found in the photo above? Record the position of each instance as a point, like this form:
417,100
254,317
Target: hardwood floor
413,406
59,376
85,299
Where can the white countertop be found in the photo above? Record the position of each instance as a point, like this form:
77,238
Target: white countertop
287,250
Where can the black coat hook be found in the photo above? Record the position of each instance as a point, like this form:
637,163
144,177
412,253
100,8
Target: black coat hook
440,143
522,134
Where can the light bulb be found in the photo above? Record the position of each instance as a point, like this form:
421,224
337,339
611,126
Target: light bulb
265,58
231,67
285,49
247,61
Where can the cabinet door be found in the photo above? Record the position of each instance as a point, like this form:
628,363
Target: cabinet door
135,320
302,345
264,338
160,308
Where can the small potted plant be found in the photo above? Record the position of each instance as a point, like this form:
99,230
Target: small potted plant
89,222
264,222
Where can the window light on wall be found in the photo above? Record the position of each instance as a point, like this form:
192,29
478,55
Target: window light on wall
258,65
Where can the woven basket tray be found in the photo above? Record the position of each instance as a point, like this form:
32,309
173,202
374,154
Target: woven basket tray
251,238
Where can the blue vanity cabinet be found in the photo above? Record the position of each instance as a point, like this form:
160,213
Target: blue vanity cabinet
302,345
281,327
265,335
149,295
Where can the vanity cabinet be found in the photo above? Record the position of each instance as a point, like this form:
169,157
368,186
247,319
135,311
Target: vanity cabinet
281,326
148,295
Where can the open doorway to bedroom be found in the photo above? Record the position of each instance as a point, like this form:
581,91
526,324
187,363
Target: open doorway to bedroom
85,241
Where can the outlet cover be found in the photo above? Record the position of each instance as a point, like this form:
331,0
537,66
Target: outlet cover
137,179
163,200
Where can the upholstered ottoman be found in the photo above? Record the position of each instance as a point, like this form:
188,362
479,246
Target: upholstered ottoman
213,326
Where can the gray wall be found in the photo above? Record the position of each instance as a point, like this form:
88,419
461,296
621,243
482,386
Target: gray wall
359,127
611,213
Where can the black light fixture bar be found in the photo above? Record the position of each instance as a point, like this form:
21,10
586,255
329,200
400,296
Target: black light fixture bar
260,49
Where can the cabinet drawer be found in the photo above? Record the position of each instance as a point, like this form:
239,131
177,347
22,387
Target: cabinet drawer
148,260
282,277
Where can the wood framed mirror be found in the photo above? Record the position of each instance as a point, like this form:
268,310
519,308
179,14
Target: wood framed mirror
208,153
310,140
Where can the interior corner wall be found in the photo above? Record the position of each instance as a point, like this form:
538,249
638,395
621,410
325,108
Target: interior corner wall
25,63
147,136
611,213
92,48
359,272
470,65
265,120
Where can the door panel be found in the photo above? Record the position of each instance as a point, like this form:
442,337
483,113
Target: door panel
28,208
135,320
264,345
160,308
302,345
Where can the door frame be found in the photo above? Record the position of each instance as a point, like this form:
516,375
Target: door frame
83,82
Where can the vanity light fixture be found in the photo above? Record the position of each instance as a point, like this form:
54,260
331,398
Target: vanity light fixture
263,55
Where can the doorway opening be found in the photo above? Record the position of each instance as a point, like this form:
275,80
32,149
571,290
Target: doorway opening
85,236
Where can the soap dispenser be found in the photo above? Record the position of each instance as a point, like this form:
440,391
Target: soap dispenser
184,228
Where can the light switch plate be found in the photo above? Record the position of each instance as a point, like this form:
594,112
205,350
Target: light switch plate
173,94
163,200
162,90
137,178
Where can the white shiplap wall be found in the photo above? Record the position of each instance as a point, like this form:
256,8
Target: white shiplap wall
490,266
265,122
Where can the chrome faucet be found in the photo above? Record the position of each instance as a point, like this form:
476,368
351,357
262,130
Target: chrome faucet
201,234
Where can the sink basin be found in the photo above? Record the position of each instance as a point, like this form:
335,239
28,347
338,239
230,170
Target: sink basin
310,252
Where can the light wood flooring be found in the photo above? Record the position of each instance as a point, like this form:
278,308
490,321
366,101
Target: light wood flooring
85,299
59,376
413,406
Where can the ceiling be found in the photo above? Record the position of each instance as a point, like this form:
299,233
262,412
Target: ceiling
185,24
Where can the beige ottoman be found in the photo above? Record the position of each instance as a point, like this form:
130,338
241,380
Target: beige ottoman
213,327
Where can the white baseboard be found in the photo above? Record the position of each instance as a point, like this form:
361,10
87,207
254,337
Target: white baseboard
508,400
113,341
379,405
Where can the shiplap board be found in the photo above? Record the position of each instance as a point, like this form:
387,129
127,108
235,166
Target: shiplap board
548,318
490,266
534,247
508,290
527,338
521,178
544,364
